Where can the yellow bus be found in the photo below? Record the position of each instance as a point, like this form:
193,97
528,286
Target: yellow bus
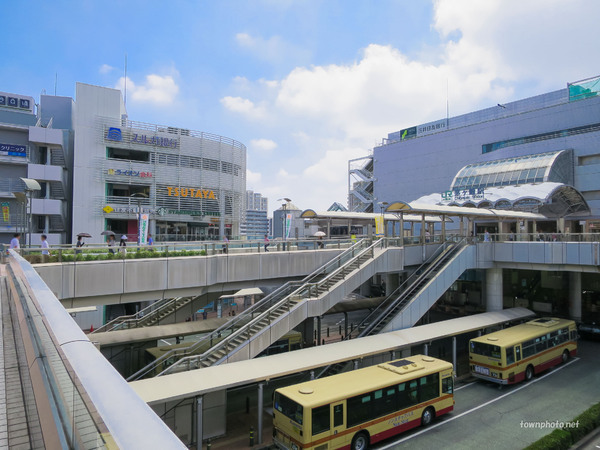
517,353
355,409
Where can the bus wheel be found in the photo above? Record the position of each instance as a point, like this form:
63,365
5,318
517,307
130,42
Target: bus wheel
427,416
360,441
529,373
565,356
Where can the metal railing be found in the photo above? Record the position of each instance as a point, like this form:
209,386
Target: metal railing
285,297
313,286
65,402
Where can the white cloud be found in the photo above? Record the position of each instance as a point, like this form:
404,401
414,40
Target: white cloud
243,106
489,52
157,89
274,49
105,68
252,178
263,145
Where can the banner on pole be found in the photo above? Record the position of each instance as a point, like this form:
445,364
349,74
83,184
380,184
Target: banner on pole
5,211
143,237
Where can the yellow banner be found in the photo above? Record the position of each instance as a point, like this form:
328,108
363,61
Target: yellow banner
379,225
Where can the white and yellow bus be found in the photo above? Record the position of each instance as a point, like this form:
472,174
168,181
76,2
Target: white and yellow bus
355,409
517,353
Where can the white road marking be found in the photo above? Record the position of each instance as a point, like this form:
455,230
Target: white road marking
464,386
527,384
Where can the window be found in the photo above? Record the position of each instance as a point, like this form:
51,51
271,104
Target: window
288,408
429,387
479,348
510,356
338,415
359,409
320,419
518,352
447,385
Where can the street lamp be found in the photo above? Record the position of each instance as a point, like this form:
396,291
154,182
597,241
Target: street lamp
284,218
139,196
30,186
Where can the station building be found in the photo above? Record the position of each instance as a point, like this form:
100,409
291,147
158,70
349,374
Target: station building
539,154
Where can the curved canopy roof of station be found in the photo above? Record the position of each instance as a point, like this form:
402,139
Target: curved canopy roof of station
550,199
412,216
461,211
554,166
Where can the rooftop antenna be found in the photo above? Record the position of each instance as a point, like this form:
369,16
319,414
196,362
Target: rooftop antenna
125,93
447,104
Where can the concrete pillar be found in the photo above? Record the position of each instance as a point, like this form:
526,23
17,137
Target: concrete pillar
199,426
319,330
493,290
426,349
260,413
443,228
454,354
345,325
575,295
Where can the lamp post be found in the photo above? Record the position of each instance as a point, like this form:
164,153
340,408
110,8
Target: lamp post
284,218
139,196
30,186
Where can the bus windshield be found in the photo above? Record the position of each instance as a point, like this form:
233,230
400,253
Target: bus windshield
288,408
479,348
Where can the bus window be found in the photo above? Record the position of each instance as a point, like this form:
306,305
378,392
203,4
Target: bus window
320,419
429,387
518,352
338,415
510,356
447,385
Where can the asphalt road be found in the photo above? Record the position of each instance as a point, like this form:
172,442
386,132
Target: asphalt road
486,416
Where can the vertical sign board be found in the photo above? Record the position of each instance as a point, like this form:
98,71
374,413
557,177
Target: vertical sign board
143,231
5,211
288,225
378,225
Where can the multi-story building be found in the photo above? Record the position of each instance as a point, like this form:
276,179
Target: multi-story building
191,184
256,222
97,170
36,142
540,153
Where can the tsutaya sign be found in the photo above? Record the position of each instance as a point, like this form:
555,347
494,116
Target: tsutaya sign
190,192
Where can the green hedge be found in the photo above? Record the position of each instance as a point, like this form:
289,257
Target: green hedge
69,255
565,438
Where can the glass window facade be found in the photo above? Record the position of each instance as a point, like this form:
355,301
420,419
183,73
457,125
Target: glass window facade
513,171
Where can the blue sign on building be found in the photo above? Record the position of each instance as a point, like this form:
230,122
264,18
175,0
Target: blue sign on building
114,134
13,150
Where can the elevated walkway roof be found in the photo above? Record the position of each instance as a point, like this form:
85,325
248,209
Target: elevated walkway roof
183,385
142,334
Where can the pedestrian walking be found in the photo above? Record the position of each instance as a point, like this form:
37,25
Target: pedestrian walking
123,244
14,242
79,244
267,243
111,243
45,248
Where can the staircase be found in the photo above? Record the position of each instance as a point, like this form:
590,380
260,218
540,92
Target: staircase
235,336
151,315
416,284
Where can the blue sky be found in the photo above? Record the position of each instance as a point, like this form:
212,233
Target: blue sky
305,85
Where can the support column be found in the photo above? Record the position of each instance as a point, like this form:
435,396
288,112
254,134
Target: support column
454,354
199,426
443,228
426,349
319,330
493,290
345,325
260,413
575,295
